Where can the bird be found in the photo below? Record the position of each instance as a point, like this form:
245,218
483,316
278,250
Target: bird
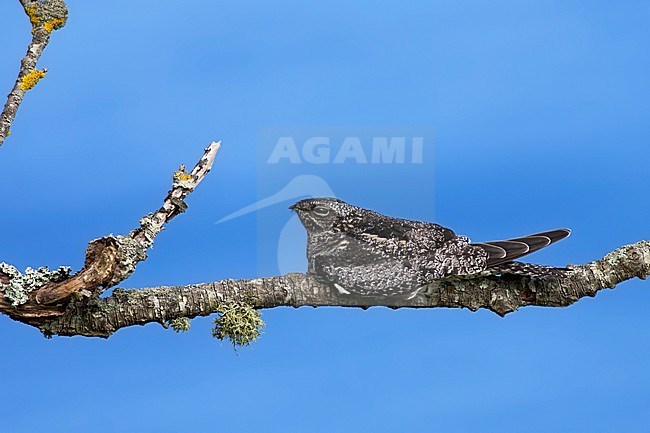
360,252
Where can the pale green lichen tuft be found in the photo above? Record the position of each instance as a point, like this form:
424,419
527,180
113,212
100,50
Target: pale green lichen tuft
181,324
238,322
19,285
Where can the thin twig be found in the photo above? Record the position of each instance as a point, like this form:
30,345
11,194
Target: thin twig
45,17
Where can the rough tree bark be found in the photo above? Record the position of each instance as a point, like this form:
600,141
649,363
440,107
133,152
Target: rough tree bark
62,304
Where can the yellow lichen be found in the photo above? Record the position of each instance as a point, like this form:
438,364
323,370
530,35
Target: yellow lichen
54,24
34,17
30,79
181,176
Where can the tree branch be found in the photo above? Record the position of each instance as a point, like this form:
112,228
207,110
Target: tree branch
45,16
103,316
59,304
109,260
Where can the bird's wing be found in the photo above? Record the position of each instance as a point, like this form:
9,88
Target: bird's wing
395,229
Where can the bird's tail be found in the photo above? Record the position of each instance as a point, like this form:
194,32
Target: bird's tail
504,252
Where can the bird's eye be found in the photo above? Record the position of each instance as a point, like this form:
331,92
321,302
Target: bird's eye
321,211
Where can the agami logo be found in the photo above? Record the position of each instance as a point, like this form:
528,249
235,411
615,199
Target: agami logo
324,150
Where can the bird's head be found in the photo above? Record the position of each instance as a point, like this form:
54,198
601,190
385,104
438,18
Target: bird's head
321,214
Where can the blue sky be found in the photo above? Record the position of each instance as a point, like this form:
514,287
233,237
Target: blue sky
540,119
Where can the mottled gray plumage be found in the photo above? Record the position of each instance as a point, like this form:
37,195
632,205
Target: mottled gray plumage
362,252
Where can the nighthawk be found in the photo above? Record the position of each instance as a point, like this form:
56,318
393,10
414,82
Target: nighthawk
361,252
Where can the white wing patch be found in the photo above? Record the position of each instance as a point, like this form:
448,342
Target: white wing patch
341,289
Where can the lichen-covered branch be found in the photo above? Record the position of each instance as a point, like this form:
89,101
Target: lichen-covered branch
45,16
184,184
58,303
103,316
109,260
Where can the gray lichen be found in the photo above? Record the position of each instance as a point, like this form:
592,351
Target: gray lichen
128,297
130,248
47,10
149,228
238,322
130,253
20,285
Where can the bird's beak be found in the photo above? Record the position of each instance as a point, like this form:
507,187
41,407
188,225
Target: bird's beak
300,206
